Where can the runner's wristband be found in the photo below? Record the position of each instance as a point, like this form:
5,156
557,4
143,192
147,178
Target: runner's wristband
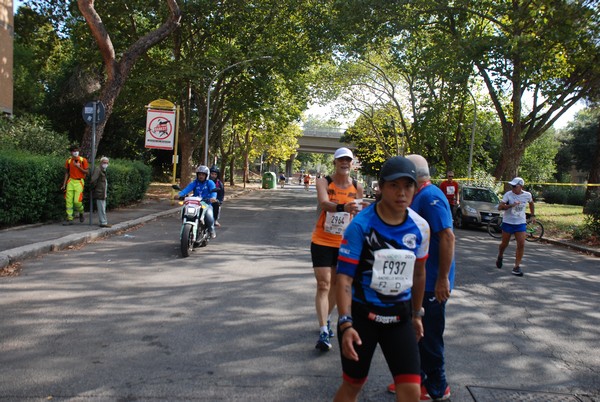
340,207
344,319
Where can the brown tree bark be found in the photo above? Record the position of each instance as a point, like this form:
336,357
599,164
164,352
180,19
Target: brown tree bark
593,192
518,131
117,71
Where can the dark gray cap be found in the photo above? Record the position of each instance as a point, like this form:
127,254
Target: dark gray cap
397,167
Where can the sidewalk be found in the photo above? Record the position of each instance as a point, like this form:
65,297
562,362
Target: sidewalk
22,242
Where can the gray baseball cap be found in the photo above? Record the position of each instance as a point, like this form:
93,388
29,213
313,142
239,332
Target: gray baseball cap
397,167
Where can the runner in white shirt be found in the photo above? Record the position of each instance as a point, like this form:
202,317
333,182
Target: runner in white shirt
515,221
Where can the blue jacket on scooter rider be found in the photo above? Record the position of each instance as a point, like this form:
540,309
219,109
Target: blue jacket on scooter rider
204,188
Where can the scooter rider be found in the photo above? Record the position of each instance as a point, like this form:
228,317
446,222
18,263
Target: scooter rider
204,188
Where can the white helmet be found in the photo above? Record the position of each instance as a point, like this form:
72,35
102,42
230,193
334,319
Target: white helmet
203,169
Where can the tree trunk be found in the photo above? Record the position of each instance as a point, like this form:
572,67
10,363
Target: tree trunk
232,171
186,162
246,158
593,192
508,165
118,71
109,95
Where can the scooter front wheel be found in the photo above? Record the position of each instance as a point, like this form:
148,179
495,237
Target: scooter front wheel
187,241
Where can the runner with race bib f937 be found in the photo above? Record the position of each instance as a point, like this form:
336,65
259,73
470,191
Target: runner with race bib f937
337,197
380,286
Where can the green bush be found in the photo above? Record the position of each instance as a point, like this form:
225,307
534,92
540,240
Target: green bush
30,134
127,182
563,195
30,186
592,216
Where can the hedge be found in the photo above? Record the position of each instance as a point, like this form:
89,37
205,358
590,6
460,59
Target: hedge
30,186
563,195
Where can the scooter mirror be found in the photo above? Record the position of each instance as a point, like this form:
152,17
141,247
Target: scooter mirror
175,187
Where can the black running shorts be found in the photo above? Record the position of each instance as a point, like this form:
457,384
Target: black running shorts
323,256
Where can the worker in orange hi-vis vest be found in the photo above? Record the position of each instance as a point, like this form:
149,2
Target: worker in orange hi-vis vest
76,168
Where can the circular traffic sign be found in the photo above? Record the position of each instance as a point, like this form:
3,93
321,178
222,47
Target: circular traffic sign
88,112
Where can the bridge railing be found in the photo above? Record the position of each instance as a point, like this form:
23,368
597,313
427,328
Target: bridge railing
324,133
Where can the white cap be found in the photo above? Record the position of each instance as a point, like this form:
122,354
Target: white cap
104,159
517,181
343,152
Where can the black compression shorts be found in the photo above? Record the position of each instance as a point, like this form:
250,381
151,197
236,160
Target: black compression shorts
398,344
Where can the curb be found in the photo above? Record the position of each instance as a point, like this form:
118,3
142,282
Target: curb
573,246
11,256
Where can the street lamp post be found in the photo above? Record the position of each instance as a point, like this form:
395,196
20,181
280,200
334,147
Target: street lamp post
208,100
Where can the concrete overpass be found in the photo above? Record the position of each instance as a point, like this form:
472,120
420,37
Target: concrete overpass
321,140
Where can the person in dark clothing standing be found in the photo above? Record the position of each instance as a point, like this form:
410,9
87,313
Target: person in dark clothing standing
100,191
220,189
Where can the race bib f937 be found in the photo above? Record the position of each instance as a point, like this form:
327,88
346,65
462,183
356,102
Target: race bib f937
393,271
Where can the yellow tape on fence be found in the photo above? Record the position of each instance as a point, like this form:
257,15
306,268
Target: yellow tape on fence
531,184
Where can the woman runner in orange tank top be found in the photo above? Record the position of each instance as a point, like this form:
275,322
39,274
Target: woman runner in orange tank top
336,197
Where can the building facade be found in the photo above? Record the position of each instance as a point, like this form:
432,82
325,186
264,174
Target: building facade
7,33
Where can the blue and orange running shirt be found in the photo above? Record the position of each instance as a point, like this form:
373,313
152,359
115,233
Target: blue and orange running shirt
367,235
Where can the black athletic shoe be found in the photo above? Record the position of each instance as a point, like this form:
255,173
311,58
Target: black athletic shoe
517,271
499,262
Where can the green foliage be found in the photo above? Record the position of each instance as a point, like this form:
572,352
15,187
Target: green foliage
225,43
31,134
591,226
375,139
592,216
563,195
581,138
484,179
314,163
310,122
30,186
538,163
535,58
127,182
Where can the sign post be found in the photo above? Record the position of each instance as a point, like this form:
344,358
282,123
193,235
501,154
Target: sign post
93,113
162,128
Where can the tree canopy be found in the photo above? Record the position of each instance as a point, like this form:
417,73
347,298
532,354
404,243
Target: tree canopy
535,58
424,76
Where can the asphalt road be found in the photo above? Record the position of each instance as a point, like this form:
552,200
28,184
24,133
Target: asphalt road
125,319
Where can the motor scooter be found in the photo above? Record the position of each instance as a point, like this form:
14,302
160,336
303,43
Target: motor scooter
194,231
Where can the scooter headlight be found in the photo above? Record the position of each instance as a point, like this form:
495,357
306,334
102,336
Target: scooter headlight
191,210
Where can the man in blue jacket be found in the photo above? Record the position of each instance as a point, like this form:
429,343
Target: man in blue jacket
205,189
431,204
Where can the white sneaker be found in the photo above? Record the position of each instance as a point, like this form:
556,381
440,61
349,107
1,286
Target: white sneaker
213,235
